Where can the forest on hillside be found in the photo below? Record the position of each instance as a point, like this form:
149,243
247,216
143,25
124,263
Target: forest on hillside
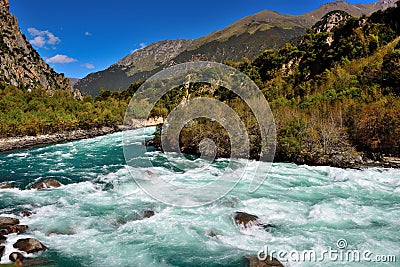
333,94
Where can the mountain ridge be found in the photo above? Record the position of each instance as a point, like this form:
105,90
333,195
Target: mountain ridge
246,37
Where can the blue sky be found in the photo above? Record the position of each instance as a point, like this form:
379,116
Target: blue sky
80,37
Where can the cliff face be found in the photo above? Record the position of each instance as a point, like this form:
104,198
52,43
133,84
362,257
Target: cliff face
20,64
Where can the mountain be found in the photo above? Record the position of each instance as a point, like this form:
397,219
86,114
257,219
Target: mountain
20,64
244,38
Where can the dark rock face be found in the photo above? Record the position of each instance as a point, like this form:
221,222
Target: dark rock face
246,220
13,229
29,245
8,221
16,256
47,184
253,261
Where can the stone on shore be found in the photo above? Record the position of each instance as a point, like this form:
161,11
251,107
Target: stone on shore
253,261
29,245
47,184
8,221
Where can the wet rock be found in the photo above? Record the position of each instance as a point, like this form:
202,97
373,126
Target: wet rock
6,186
148,213
47,184
16,256
7,221
13,229
212,234
253,261
2,249
2,239
26,213
29,245
246,220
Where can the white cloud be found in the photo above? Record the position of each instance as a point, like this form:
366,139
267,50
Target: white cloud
61,59
88,66
38,41
142,45
88,34
41,38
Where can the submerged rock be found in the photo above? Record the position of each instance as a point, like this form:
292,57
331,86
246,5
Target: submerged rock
253,261
7,221
16,256
247,220
29,245
13,229
47,184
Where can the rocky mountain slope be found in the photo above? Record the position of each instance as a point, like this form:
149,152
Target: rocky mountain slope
244,38
20,64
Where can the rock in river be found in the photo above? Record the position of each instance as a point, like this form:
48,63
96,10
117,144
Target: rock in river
253,261
7,221
13,229
2,249
29,245
15,256
246,220
47,184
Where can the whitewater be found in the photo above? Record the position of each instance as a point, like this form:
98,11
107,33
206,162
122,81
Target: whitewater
96,217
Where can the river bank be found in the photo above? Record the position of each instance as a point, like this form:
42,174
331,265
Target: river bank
22,142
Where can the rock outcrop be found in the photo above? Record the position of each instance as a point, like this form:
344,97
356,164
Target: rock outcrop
20,64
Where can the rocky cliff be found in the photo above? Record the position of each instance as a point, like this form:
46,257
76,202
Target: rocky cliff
20,64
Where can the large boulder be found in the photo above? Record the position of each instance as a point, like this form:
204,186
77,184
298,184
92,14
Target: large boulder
29,245
47,184
7,221
253,261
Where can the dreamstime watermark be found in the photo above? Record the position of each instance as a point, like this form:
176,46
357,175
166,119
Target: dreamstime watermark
340,253
191,108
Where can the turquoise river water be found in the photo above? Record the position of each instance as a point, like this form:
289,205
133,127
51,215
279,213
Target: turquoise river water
95,219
